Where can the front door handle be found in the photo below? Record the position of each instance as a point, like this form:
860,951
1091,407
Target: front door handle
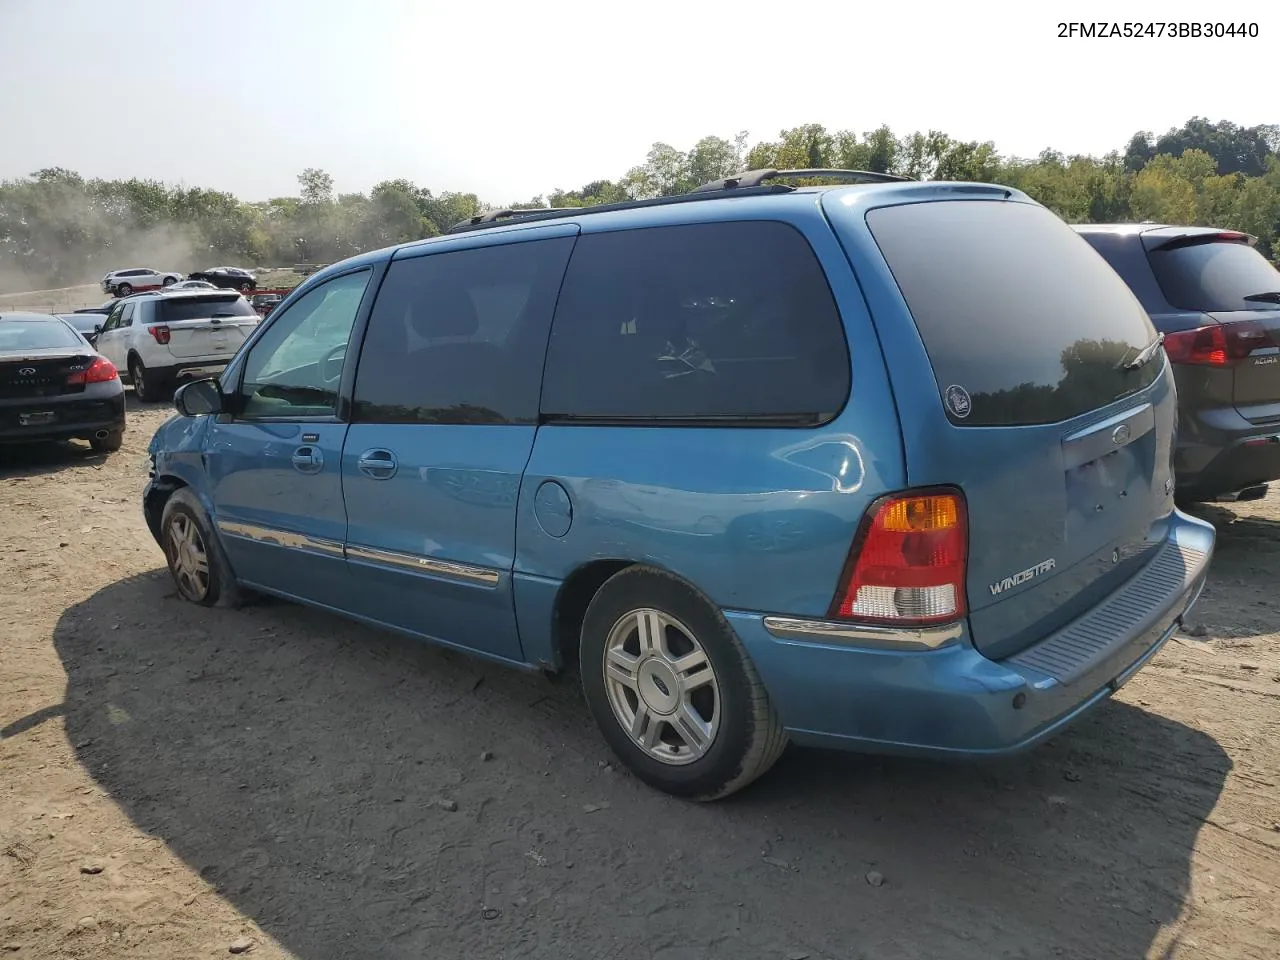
308,460
377,464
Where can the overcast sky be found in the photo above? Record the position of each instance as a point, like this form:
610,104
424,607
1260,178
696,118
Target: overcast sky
509,100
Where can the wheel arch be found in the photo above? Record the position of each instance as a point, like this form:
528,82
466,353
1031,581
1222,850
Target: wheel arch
580,588
573,598
157,495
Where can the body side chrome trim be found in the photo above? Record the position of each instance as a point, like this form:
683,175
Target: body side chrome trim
281,538
418,564
332,548
863,635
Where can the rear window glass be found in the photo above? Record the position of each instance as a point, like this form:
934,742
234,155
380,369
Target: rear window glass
1215,277
702,322
1022,320
202,308
36,335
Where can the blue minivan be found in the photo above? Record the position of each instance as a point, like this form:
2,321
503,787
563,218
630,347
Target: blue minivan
881,465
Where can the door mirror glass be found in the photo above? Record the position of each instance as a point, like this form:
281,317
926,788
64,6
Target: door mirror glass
199,398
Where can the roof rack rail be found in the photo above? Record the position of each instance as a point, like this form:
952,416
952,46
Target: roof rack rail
756,178
499,218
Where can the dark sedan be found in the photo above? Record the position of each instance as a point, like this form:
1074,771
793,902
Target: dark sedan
85,322
55,386
227,278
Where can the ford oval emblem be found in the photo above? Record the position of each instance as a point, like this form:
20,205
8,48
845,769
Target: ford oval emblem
1120,434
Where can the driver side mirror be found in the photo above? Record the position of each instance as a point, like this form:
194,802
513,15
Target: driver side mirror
97,329
198,398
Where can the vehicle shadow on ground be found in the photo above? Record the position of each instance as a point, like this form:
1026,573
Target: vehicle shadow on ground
1232,607
336,786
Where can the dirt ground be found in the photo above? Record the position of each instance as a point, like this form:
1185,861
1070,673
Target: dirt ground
176,782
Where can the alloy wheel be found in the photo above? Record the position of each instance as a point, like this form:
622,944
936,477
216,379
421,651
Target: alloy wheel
662,686
188,558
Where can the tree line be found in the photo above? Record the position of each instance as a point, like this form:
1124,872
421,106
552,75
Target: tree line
59,228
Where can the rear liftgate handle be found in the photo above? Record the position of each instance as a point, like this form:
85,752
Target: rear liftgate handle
377,464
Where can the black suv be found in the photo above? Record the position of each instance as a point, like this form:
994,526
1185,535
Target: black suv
1217,302
227,278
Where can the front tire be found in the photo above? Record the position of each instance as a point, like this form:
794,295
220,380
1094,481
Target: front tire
197,564
245,287
123,289
672,689
168,281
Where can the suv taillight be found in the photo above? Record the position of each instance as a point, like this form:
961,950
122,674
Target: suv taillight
1216,345
101,370
161,333
907,564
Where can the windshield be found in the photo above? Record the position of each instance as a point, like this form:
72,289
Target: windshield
1215,277
202,308
36,334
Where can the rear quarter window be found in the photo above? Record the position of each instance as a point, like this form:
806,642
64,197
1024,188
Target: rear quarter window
1023,322
699,323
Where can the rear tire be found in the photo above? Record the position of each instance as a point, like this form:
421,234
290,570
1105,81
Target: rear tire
672,689
196,561
147,387
112,442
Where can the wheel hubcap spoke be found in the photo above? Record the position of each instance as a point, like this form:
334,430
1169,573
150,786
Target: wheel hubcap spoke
649,631
695,731
621,666
188,559
662,686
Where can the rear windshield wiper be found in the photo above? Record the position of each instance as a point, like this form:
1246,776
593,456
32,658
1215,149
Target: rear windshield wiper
1147,353
1269,296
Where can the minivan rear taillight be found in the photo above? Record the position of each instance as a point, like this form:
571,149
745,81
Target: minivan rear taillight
1216,345
161,333
908,561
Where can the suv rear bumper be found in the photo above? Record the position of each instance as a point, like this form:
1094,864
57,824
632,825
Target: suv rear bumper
1239,460
955,702
189,370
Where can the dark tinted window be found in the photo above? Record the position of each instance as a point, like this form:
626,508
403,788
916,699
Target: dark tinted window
1215,276
1022,320
83,322
36,334
460,337
698,322
178,309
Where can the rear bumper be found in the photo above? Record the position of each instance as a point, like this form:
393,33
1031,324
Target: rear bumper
1244,459
191,369
71,418
955,702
